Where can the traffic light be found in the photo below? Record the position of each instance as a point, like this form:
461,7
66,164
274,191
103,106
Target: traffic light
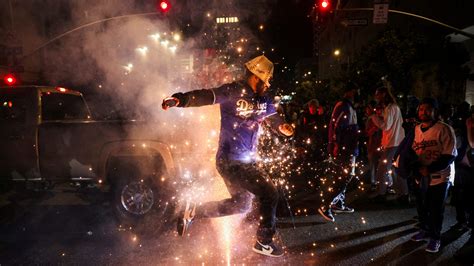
323,10
9,79
324,5
163,6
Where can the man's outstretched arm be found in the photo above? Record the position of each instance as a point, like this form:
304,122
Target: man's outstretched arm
189,99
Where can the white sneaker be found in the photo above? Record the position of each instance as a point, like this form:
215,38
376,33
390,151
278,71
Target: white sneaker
186,218
270,250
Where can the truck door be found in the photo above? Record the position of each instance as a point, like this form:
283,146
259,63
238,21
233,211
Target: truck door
18,133
62,152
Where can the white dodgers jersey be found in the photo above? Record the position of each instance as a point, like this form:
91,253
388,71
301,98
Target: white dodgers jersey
431,144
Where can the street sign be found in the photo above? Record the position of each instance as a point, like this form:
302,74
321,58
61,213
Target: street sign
355,22
380,13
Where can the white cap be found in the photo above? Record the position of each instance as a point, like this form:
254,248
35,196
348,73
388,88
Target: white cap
261,67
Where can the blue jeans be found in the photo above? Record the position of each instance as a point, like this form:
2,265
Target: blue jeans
338,194
386,176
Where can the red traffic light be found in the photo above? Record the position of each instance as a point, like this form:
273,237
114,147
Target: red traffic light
324,4
164,5
9,79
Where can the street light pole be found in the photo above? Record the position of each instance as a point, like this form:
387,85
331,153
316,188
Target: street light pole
85,26
11,16
460,31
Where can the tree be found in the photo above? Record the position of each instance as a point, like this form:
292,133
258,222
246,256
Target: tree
412,65
389,58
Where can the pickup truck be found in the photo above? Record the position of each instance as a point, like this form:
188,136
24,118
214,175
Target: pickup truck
48,135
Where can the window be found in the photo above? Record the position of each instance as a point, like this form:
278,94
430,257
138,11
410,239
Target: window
12,108
60,106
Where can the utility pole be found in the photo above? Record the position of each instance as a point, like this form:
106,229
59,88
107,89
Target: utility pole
316,39
12,24
457,30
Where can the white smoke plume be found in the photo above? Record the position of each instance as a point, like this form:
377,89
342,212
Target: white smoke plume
137,61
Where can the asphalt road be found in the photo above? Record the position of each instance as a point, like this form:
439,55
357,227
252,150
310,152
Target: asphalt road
66,227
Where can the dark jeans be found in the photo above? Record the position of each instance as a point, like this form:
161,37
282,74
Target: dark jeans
243,180
430,206
463,194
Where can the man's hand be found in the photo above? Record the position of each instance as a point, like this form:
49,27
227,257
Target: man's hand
424,171
286,129
169,102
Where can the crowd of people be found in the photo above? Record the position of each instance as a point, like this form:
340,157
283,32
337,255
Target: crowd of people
422,151
416,157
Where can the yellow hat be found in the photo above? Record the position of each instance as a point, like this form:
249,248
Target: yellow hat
261,67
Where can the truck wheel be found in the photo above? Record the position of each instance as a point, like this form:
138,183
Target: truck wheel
139,204
135,198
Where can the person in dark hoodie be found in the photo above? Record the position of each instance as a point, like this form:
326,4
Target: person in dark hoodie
343,134
243,106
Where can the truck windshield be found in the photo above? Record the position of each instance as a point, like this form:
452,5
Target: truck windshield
61,106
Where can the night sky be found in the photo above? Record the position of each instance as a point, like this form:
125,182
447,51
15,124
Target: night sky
288,27
291,28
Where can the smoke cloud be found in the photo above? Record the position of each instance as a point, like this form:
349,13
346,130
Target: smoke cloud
135,62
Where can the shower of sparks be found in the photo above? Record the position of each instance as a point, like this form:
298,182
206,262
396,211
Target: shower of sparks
301,166
227,227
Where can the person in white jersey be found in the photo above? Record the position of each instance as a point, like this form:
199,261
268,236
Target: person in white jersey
435,145
392,134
